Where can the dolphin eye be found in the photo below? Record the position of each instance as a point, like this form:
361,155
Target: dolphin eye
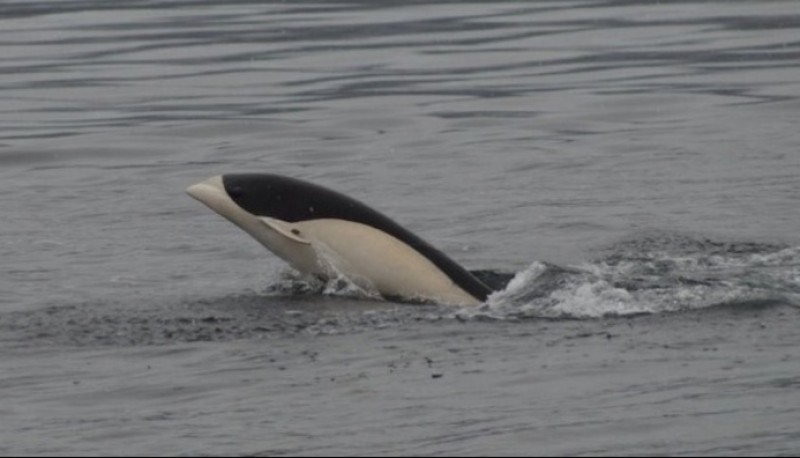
296,231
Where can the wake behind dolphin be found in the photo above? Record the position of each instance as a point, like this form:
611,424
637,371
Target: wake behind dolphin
327,234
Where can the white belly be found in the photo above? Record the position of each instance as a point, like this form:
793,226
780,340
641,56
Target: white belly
374,259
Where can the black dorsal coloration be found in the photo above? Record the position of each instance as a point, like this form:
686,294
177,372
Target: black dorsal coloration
293,200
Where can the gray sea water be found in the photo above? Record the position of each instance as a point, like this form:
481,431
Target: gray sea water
626,173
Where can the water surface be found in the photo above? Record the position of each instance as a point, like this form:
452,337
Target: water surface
630,167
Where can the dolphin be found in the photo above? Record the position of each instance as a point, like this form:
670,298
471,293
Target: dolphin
327,234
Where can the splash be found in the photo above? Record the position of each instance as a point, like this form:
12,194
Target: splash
335,282
651,275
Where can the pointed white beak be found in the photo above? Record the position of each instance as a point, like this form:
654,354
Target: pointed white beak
212,193
208,190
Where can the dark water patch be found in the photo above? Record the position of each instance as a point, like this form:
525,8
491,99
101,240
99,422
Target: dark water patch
648,242
248,317
494,279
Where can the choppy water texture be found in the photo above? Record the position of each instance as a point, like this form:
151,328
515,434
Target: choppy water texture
625,174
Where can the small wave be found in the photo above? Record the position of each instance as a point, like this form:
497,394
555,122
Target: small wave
651,275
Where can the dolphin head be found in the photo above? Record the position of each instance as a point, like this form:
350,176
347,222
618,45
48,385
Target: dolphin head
260,210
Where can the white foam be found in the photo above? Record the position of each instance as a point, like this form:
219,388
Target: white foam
595,299
648,282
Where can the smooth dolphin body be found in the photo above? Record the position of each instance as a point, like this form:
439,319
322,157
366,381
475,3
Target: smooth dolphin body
325,233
